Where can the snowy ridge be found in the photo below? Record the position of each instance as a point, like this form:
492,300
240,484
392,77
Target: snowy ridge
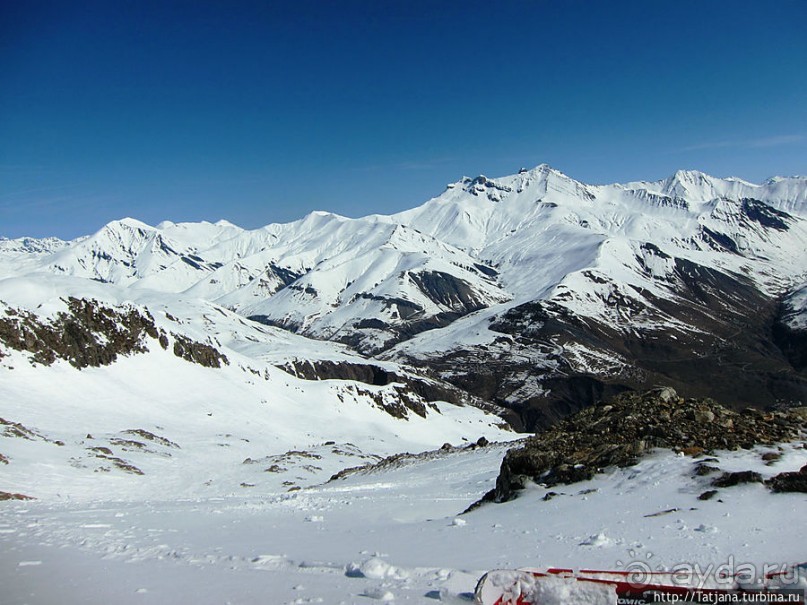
30,245
616,273
499,237
515,221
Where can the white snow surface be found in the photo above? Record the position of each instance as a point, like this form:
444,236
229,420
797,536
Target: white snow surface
389,534
512,585
795,314
560,591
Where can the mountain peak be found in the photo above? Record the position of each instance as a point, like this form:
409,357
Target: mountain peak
543,170
692,184
544,167
689,175
128,223
778,179
689,178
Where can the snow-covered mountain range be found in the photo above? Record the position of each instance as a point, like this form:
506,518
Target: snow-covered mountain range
534,291
176,397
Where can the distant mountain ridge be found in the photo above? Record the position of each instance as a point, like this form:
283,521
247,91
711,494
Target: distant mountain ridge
533,291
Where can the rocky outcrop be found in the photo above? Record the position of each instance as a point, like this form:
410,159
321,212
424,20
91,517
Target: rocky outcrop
91,334
428,389
617,433
13,496
448,291
790,482
88,334
397,401
197,352
737,478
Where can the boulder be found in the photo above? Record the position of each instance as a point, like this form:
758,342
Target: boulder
620,432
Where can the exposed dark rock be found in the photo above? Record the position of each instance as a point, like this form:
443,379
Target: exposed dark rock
371,323
104,453
151,437
127,444
405,308
708,495
3,459
702,469
446,290
323,370
790,481
91,334
15,429
11,496
88,334
192,263
620,432
428,389
286,276
661,513
792,341
284,324
390,333
310,290
197,352
771,457
403,459
718,241
765,215
397,406
736,478
800,412
125,466
403,319
486,270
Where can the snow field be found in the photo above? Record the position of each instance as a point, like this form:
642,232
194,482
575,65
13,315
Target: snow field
389,535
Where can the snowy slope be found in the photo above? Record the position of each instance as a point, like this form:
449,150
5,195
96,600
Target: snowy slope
179,421
202,432
395,535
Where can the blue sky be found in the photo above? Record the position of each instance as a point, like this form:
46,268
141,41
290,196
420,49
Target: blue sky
260,112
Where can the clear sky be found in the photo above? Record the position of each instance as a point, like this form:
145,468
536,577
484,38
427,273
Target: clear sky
260,112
